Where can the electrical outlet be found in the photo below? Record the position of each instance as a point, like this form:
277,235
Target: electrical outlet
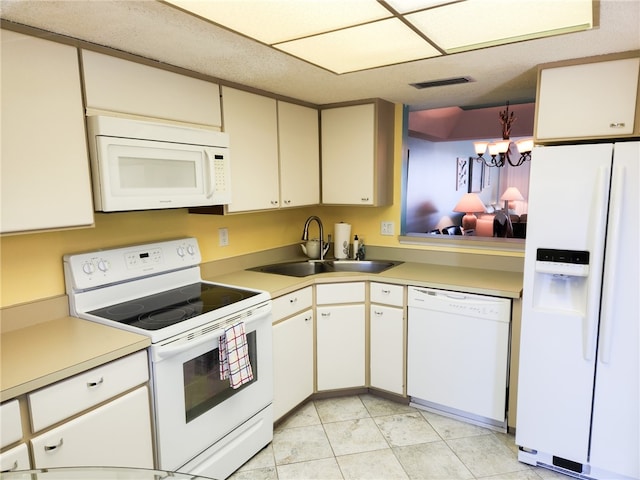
387,228
223,237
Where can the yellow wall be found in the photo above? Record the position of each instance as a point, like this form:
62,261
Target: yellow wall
31,264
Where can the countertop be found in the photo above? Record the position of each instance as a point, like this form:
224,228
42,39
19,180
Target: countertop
480,281
42,354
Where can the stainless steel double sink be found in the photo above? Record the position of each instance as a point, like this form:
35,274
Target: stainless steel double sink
304,268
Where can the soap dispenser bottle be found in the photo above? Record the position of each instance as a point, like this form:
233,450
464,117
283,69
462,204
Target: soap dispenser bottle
356,245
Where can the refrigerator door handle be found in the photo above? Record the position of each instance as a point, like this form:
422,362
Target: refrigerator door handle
606,323
591,315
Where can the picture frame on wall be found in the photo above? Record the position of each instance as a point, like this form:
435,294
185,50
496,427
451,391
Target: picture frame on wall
476,175
462,173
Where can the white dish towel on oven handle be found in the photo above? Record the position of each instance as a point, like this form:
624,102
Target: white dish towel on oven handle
234,356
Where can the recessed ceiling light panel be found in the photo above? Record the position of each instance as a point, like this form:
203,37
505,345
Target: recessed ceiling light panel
482,23
274,21
376,44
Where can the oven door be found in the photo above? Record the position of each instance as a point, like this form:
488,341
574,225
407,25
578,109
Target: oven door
193,407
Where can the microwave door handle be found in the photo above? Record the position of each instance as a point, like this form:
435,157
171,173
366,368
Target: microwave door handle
210,170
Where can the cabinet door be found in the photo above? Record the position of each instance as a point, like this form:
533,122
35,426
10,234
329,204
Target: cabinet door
386,361
252,125
299,145
592,100
15,459
340,346
347,155
292,362
45,180
357,154
118,85
11,425
116,434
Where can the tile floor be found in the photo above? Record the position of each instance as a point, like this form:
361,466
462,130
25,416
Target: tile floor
368,437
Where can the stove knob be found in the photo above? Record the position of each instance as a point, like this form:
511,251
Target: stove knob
191,250
103,265
181,251
88,268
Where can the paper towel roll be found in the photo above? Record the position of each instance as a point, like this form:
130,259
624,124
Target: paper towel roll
342,236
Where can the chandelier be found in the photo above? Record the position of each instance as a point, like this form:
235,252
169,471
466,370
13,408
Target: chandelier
500,151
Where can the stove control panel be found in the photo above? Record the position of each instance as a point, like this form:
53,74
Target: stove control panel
103,267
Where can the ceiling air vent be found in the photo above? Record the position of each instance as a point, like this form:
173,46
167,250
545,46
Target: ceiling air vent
442,82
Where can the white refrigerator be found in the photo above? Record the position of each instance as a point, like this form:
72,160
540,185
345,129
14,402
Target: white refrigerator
578,389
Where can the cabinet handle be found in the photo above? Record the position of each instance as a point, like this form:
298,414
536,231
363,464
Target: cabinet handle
326,314
13,467
386,291
378,313
95,384
308,319
274,202
617,125
364,199
287,202
293,300
49,448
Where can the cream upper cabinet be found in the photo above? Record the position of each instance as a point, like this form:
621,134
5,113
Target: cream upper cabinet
274,152
45,181
116,85
357,154
252,124
299,148
588,100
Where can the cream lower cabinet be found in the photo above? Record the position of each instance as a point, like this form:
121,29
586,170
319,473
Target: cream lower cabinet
45,182
386,337
98,417
115,434
340,335
16,458
292,350
292,362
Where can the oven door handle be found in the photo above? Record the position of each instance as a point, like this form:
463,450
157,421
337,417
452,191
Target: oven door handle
168,351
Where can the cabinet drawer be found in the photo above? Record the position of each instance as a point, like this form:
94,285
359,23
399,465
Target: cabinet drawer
340,293
291,303
11,426
68,397
118,434
386,294
15,459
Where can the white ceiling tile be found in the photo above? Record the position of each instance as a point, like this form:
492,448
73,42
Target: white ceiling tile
385,42
275,21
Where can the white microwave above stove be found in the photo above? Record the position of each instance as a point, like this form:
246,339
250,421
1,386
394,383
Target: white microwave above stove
140,165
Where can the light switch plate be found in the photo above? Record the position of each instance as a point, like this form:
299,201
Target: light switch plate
223,237
387,228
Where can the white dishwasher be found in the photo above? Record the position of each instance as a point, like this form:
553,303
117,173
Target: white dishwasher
458,355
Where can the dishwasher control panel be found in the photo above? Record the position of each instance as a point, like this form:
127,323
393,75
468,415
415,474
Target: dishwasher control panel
472,305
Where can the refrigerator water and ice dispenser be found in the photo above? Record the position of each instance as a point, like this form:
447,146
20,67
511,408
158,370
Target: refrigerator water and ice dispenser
561,280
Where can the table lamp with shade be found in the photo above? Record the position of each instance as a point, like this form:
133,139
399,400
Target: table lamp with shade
510,194
470,203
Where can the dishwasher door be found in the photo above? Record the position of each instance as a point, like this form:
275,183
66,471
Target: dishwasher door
458,355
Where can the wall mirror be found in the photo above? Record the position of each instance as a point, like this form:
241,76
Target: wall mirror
443,174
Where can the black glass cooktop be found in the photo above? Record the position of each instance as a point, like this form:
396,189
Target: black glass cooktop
160,310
